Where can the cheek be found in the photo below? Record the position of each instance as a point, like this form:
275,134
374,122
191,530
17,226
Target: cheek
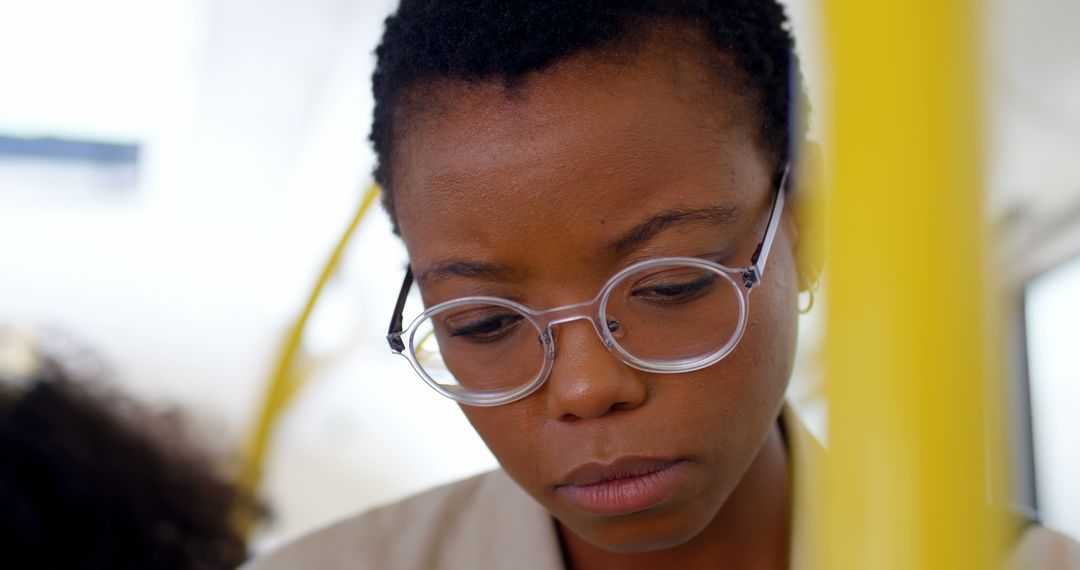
767,351
513,434
749,385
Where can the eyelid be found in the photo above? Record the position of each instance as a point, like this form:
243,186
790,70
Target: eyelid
724,257
444,294
475,313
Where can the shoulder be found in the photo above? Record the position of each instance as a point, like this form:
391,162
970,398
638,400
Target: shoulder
1044,549
478,522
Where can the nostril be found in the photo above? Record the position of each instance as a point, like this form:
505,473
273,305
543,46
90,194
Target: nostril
570,417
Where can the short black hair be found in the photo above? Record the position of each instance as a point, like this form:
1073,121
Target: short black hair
484,40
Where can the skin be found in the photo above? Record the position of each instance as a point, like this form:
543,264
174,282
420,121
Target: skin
529,187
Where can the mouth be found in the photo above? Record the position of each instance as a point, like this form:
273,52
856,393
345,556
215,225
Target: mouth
626,486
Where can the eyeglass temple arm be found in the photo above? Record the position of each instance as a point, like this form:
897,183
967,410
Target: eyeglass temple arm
752,276
393,336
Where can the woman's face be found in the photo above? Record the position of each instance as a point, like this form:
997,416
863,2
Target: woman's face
530,188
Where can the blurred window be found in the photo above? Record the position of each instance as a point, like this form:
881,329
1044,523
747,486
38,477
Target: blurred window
52,164
1053,332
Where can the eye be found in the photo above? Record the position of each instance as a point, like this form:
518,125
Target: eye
675,287
483,325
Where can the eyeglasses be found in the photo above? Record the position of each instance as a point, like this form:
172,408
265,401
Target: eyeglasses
664,315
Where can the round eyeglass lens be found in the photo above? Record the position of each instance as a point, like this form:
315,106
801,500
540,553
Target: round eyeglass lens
478,348
675,313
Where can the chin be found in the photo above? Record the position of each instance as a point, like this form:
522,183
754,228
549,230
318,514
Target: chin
634,534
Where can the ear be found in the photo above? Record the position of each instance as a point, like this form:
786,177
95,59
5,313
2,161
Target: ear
807,196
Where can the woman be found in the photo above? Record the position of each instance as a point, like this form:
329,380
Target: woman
599,210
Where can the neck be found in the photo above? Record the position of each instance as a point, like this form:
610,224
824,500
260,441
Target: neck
751,530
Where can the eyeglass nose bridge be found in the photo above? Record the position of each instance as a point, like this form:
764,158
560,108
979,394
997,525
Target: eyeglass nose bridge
589,311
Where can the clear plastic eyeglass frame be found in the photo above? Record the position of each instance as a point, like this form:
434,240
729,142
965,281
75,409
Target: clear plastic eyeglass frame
401,340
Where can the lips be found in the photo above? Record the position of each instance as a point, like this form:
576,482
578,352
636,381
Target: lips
626,486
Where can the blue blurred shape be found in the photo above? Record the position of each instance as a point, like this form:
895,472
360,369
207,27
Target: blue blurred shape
69,150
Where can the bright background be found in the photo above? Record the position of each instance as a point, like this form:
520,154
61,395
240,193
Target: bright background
252,116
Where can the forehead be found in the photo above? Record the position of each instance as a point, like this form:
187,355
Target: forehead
572,155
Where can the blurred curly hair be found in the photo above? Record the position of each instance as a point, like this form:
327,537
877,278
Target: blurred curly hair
90,480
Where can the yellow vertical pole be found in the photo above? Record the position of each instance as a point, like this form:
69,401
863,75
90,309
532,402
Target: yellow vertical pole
287,377
909,384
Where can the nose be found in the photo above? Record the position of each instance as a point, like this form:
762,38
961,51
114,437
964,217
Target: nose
587,380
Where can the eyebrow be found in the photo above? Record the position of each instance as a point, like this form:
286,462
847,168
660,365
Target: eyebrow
645,231
639,234
467,269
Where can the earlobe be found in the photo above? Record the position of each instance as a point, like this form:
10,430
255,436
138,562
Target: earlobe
808,204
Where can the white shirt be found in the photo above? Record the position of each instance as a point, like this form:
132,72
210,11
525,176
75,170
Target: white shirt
488,522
